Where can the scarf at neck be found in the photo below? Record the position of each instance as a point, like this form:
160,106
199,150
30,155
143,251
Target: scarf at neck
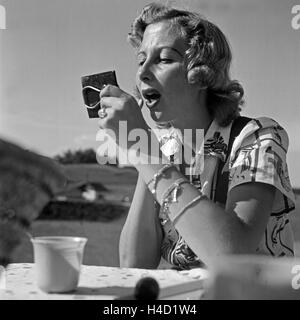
204,165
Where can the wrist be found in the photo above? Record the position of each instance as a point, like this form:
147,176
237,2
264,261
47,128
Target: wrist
143,149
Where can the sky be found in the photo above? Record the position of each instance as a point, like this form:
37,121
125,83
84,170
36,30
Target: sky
48,45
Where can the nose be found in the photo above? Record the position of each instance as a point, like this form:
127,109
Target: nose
145,72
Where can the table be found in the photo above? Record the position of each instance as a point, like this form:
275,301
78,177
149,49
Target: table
104,283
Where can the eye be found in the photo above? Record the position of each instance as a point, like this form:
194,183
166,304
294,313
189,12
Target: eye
141,58
141,62
166,60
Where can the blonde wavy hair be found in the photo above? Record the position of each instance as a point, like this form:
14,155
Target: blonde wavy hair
208,57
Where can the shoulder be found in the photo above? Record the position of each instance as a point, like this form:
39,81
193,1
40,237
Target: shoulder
259,132
259,155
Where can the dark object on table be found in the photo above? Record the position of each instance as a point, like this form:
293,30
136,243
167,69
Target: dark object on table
91,87
146,289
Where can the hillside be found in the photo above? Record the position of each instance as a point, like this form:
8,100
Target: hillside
101,173
120,182
113,178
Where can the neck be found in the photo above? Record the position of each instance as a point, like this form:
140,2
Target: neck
196,116
198,119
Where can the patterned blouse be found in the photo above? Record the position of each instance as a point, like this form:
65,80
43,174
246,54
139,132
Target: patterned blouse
258,154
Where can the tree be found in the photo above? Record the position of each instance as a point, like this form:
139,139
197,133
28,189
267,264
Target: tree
77,156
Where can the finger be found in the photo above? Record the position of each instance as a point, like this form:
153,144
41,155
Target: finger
102,124
106,122
111,102
111,91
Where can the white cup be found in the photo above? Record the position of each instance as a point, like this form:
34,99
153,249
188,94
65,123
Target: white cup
58,262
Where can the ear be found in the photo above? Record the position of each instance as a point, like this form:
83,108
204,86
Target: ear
203,76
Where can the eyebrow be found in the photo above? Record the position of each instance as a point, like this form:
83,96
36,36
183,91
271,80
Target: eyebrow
164,47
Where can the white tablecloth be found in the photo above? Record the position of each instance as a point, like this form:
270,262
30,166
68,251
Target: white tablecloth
102,283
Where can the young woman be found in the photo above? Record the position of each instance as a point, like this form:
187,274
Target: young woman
239,202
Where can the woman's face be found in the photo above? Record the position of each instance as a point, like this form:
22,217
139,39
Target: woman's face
162,75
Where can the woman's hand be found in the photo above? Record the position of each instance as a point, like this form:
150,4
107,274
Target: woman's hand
120,106
122,119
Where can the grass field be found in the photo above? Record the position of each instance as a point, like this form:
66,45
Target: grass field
103,237
102,245
119,182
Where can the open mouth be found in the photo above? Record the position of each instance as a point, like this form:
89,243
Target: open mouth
151,97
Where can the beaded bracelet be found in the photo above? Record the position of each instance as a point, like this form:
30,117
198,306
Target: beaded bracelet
158,175
175,217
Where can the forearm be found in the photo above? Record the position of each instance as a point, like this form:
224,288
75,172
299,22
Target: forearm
140,239
207,228
139,247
